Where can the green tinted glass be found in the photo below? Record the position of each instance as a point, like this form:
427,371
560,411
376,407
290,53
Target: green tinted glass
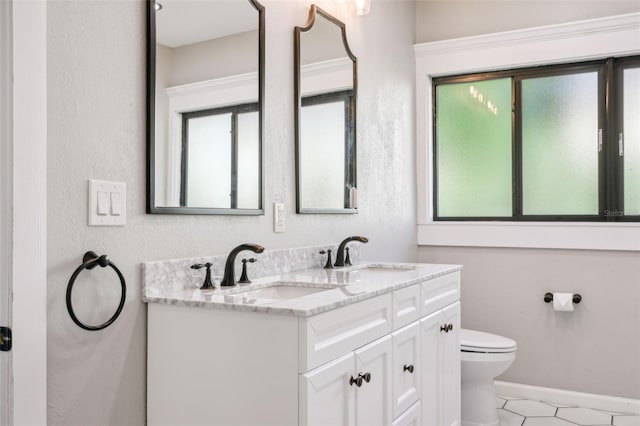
473,148
560,145
631,135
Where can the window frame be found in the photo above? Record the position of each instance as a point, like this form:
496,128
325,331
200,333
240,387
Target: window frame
235,110
617,123
568,42
609,171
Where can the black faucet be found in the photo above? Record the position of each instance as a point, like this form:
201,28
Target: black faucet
340,261
229,278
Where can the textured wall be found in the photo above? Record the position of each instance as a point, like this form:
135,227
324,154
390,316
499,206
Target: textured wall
96,110
444,19
595,348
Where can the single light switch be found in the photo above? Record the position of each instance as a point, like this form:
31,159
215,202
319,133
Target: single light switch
116,205
278,217
103,203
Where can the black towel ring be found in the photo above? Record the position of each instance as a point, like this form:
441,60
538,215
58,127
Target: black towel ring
89,261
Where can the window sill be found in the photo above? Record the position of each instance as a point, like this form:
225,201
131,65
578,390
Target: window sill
556,235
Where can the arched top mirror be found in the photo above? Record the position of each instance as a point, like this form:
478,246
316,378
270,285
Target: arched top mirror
325,89
205,97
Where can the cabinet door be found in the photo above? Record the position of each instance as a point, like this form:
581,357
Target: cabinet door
411,417
373,398
326,397
406,367
430,364
450,370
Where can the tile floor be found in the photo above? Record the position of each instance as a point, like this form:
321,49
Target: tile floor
525,412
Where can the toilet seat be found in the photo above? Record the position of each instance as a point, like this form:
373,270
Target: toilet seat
481,342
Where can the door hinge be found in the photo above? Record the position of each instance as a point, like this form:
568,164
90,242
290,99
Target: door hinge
5,339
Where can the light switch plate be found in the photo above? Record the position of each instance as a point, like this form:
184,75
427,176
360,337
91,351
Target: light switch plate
116,215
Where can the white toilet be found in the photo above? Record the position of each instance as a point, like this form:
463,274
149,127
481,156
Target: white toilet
484,356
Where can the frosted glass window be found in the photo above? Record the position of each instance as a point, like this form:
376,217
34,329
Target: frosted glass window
631,82
322,156
248,161
209,161
560,145
473,146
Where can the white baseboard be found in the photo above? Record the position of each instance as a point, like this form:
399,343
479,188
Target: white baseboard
560,396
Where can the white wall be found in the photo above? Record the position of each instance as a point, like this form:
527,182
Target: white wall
594,349
445,19
96,107
222,57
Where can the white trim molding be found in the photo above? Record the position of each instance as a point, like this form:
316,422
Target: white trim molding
561,396
30,212
550,235
571,42
326,76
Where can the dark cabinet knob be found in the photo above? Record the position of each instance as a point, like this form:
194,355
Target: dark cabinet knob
408,368
446,328
365,376
357,381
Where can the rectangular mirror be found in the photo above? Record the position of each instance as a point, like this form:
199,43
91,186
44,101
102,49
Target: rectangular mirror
205,64
325,93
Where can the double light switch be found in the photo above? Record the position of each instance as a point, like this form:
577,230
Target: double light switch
107,203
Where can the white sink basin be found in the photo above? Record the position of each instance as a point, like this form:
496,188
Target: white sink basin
282,292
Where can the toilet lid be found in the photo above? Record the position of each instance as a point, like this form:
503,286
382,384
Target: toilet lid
478,341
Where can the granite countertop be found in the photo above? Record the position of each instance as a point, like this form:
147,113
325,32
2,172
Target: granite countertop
335,288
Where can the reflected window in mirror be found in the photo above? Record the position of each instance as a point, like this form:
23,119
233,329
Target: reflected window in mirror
325,93
325,157
205,107
224,136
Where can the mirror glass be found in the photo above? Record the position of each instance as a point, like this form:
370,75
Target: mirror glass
325,88
205,86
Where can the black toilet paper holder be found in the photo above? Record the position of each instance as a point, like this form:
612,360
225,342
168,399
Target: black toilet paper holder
548,298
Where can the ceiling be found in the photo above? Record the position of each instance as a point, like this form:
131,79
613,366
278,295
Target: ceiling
182,22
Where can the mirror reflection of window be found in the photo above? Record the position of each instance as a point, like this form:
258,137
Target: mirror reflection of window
209,142
220,152
322,156
248,174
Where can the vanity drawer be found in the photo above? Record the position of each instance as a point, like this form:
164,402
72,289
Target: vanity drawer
327,336
440,292
406,306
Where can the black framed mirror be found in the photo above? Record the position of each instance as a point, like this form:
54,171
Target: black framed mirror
325,90
205,103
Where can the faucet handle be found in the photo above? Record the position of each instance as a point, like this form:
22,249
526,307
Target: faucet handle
207,285
347,259
329,264
244,279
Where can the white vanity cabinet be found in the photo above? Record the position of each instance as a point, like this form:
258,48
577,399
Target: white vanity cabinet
379,361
